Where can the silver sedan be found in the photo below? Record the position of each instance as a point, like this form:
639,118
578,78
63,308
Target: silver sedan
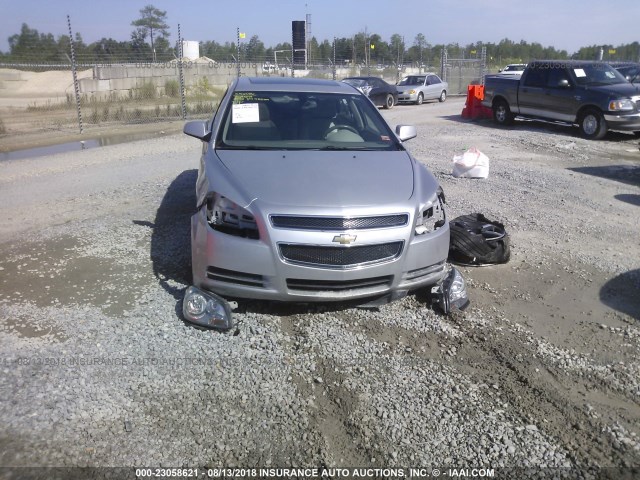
305,194
418,88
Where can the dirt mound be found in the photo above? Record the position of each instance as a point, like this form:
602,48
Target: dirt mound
17,83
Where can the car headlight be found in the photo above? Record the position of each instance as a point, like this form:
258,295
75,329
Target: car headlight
412,92
206,309
228,217
432,217
451,292
624,104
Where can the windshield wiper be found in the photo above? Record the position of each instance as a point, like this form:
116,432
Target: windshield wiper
336,147
224,146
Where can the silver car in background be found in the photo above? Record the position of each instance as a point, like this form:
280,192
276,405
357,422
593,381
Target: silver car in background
418,88
305,194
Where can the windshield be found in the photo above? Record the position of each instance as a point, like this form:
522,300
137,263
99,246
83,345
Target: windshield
303,121
597,74
513,68
630,73
411,80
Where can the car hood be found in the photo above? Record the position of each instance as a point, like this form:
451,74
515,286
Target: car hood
406,88
619,89
321,178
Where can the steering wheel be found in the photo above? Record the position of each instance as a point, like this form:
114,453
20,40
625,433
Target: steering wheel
335,128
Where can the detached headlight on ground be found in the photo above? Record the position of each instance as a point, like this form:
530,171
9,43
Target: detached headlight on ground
451,292
206,309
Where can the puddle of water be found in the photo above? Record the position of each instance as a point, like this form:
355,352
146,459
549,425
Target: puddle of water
76,146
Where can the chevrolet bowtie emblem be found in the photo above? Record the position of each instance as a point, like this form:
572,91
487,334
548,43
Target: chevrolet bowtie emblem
344,239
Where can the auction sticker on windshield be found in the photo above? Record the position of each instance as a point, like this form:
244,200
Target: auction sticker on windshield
245,112
579,72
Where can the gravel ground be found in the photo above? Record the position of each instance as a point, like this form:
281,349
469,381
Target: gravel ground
542,371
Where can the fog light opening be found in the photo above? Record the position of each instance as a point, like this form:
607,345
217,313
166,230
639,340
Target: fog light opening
451,292
206,309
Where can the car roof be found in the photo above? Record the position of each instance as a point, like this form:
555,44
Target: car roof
571,63
620,63
287,84
363,78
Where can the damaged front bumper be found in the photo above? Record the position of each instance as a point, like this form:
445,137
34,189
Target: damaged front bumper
212,311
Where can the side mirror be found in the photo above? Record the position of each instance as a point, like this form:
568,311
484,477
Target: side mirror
197,129
406,132
564,83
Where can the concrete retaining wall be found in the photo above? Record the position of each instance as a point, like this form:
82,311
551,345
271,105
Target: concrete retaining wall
120,80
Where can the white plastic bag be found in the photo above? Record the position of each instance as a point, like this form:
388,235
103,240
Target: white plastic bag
471,164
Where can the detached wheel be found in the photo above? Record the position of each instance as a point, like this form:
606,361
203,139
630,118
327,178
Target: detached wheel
476,240
420,99
592,124
502,113
443,96
388,103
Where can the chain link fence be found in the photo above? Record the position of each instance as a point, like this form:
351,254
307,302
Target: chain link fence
461,72
42,97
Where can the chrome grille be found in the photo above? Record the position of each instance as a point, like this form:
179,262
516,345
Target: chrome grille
340,257
339,223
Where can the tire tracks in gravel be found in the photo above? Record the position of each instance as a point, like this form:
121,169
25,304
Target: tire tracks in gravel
330,404
542,394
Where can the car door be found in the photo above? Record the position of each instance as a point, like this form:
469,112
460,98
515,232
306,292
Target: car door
559,100
433,87
531,91
378,92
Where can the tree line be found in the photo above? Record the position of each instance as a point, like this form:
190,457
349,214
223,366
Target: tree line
150,42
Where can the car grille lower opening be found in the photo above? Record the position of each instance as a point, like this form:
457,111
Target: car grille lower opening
340,257
237,278
338,285
339,223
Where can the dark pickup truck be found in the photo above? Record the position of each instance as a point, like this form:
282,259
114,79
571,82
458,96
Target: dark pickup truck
591,95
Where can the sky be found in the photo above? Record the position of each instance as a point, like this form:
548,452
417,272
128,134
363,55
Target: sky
565,25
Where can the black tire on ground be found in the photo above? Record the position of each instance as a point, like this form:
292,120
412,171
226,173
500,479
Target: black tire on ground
420,99
388,102
592,124
502,113
476,240
443,96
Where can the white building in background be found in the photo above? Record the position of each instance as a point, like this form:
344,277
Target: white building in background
190,49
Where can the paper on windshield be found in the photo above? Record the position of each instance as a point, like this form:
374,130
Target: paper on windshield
245,112
579,72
